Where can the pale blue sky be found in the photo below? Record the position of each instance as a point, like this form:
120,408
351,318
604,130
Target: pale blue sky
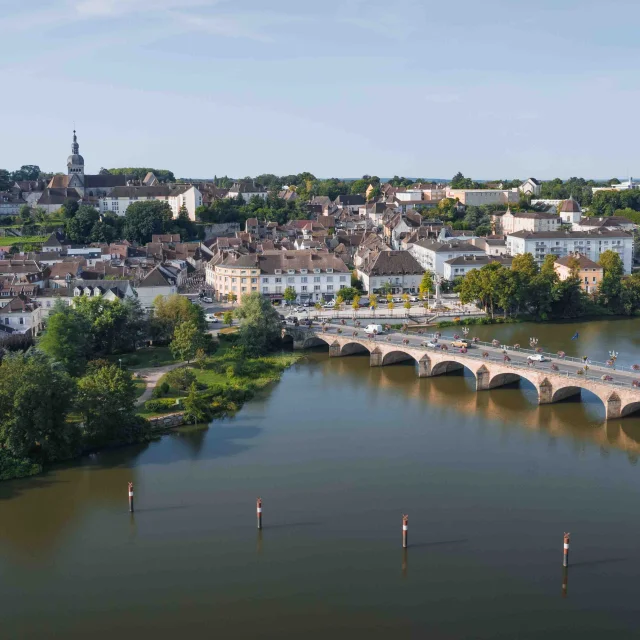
339,87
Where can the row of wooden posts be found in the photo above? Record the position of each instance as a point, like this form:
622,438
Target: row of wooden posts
405,527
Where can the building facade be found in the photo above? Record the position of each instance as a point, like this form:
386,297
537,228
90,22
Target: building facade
589,272
432,254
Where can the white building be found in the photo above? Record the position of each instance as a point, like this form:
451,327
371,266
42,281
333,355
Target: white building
315,276
570,211
247,189
513,221
161,281
623,186
398,268
531,187
432,254
563,243
177,196
20,315
460,266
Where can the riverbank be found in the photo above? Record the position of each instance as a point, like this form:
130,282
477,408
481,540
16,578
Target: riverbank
218,385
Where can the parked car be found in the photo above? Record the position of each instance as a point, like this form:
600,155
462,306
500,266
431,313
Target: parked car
432,344
397,300
538,357
460,343
330,304
207,300
209,317
414,299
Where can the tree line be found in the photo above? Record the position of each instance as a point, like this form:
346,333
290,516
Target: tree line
538,292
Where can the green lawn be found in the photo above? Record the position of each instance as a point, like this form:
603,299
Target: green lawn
141,386
145,357
7,241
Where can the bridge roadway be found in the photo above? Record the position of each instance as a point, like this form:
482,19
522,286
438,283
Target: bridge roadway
487,363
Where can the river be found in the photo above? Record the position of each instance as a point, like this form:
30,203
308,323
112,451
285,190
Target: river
338,451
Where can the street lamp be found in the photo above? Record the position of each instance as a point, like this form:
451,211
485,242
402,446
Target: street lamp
465,331
614,356
533,342
120,362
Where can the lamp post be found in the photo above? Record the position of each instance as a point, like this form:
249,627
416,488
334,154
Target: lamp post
614,356
120,362
533,342
465,331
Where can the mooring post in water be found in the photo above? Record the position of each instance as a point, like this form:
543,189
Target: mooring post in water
131,497
405,530
565,581
259,512
565,557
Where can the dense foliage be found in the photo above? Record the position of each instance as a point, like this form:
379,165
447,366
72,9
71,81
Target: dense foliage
528,289
260,325
138,173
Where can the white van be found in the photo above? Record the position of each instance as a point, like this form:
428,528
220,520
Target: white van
373,328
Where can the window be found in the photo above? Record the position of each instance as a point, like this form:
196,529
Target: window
304,288
316,271
343,286
244,280
329,287
329,278
6,320
303,279
316,279
343,278
291,280
316,287
265,281
21,320
254,280
278,280
291,270
277,271
303,271
244,289
265,289
329,270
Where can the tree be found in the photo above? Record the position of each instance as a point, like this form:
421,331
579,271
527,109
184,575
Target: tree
35,398
260,324
107,321
24,213
187,339
171,311
145,218
348,293
610,289
375,193
356,302
66,339
290,295
426,284
106,401
196,407
356,283
386,289
339,301
5,180
69,208
227,317
78,229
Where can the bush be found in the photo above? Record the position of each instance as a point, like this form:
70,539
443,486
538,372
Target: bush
162,404
180,379
12,467
161,390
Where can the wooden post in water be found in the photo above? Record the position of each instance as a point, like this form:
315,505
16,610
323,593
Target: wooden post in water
131,497
259,512
565,556
405,531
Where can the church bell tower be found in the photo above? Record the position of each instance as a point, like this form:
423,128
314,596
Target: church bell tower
75,167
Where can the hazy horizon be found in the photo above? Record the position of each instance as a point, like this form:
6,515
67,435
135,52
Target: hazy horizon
214,87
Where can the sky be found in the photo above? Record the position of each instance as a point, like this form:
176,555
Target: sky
495,89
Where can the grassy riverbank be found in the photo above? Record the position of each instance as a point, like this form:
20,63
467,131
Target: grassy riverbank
219,384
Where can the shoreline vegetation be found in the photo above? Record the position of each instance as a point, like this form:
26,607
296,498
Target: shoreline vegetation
76,391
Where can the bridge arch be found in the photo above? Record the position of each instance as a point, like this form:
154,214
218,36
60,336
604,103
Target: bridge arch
397,355
561,393
351,348
630,408
442,367
316,341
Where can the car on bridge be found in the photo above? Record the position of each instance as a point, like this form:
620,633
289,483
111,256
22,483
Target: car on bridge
461,343
538,357
431,344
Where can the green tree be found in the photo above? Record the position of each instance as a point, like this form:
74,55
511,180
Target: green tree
356,302
106,401
145,218
187,339
610,289
69,208
260,324
290,295
196,408
5,180
24,213
66,339
78,229
35,398
375,193
356,283
107,321
227,317
171,311
348,293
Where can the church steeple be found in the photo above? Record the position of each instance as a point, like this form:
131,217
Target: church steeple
75,147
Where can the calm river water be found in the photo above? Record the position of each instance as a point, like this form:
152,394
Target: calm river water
338,452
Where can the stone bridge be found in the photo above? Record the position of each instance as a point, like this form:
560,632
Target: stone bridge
619,399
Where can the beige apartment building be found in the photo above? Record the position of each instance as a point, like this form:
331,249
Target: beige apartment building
236,276
589,272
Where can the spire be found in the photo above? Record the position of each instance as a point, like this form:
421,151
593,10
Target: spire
75,147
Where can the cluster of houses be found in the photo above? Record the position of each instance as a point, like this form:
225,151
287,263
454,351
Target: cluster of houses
387,237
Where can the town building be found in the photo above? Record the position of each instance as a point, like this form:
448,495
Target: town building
397,268
20,315
563,243
177,196
247,189
163,280
432,254
570,211
589,272
479,197
531,187
513,221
